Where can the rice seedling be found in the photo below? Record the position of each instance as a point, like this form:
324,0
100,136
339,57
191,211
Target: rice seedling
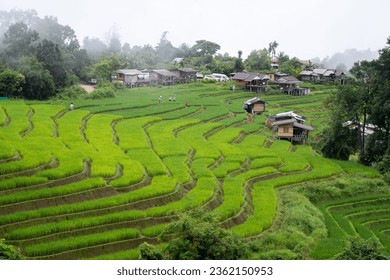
87,184
149,160
131,133
163,140
178,168
21,181
76,242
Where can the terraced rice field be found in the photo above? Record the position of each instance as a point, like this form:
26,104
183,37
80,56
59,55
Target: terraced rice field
98,181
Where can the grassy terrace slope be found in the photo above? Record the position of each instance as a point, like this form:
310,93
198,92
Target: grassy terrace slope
98,181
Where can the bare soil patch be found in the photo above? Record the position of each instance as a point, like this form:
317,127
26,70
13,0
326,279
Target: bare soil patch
87,88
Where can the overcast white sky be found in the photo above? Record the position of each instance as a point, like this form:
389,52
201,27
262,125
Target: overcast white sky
303,28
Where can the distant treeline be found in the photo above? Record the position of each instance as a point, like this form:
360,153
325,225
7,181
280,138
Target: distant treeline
39,57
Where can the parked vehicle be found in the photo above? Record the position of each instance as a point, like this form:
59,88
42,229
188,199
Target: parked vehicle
217,77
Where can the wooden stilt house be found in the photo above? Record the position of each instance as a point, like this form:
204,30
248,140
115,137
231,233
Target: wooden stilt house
289,125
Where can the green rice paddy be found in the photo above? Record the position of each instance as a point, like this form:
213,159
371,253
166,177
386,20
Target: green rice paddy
98,181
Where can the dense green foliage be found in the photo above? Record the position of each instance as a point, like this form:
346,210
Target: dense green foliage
365,101
55,54
8,252
197,236
360,249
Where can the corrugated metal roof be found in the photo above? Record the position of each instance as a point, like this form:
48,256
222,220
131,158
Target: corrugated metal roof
129,72
339,73
290,114
283,122
240,76
254,100
328,73
188,70
293,121
288,80
306,127
163,72
250,76
320,71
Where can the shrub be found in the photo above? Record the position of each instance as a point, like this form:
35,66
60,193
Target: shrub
71,92
101,92
360,249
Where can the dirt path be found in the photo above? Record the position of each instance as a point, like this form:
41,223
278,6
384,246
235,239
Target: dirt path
88,88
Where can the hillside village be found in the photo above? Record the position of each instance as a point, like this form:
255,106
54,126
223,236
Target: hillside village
250,81
126,172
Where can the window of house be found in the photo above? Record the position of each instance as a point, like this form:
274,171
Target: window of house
285,129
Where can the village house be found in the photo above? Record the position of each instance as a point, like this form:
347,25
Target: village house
251,81
290,85
323,75
254,106
131,77
368,130
273,76
127,76
161,77
184,75
289,125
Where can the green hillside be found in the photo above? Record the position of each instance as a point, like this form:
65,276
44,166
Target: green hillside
98,181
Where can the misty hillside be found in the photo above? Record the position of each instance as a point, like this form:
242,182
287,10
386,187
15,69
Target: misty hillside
345,60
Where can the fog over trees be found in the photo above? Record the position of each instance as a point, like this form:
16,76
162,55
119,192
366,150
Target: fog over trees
345,60
30,44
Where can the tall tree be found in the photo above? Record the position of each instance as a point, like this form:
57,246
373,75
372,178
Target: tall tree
258,60
95,47
8,18
104,68
50,56
39,83
62,35
205,48
19,40
379,111
11,83
239,65
166,52
272,48
339,140
367,101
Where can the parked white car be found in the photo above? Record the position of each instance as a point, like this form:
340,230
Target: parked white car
217,77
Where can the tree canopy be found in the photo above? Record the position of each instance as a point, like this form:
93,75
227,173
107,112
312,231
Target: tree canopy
197,236
365,101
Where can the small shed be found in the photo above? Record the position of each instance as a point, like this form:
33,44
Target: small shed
254,106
